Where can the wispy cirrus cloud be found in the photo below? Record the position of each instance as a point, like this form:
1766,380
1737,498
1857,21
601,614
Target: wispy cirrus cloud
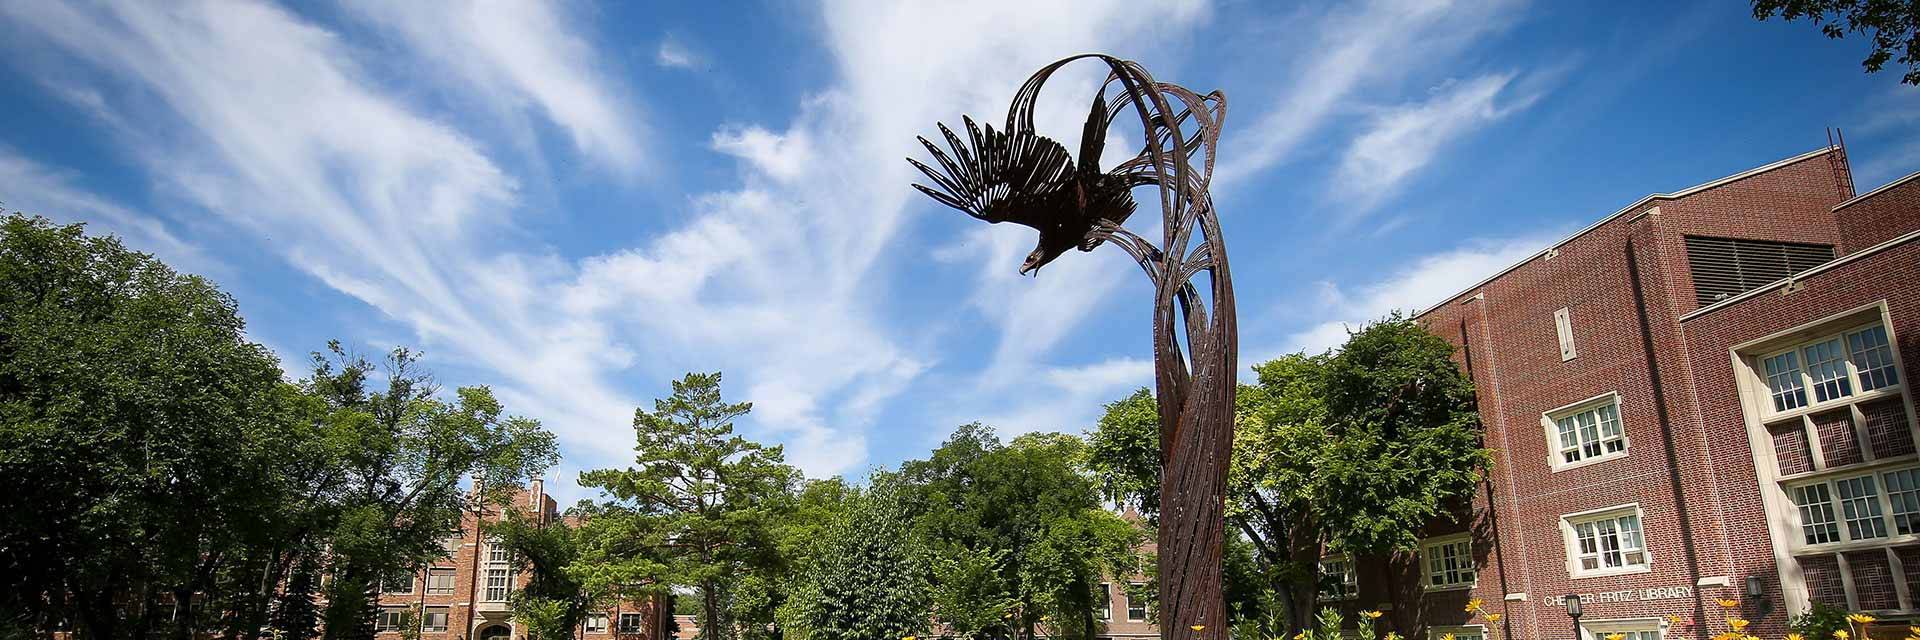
33,188
674,53
1400,141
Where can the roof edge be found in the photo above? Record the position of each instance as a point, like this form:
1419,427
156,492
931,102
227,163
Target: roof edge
1631,207
1825,266
1876,191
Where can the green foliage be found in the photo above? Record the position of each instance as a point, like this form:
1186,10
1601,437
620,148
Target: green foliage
554,602
1819,622
1018,532
1357,450
872,580
715,495
1893,27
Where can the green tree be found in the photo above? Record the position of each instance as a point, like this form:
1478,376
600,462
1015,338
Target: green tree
1031,512
554,601
707,497
1892,26
1355,450
401,494
139,428
870,581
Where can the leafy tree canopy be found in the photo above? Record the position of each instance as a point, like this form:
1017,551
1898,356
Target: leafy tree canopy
1891,26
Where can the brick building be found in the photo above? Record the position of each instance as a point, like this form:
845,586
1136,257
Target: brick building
1700,395
464,596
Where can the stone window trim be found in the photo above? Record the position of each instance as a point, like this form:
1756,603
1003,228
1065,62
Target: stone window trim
1433,545
1850,388
1464,632
1598,629
1570,537
1905,596
1549,424
1349,582
1136,609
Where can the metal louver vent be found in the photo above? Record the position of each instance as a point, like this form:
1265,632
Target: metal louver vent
1726,267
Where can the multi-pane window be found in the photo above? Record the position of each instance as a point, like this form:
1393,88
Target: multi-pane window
596,623
1457,633
402,583
1105,602
391,619
498,584
1608,542
1817,524
1860,506
1873,357
1337,579
434,619
439,582
629,623
1590,431
1783,378
497,552
1449,563
1625,630
1855,508
1830,368
1136,605
452,543
1903,495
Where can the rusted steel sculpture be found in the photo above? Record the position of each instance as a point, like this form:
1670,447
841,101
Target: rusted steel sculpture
1016,175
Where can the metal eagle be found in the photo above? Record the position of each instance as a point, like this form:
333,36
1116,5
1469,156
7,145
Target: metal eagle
1016,175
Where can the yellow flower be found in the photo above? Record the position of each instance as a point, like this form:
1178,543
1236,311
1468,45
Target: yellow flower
1728,604
1300,636
1673,620
909,638
1446,636
1474,605
1794,636
1493,617
1842,634
1738,624
1860,618
1198,627
1371,615
1616,636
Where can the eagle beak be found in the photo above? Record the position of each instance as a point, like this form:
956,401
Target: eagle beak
1034,262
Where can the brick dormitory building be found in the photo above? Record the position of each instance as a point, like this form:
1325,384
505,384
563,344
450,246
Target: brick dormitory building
1705,395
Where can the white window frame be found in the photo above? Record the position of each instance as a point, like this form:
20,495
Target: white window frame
1349,579
1569,524
488,588
1598,629
395,585
635,627
1141,607
590,626
453,578
1105,601
1550,424
1845,539
1427,548
1435,633
426,615
1813,404
383,623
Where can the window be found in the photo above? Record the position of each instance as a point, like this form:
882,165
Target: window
1136,603
1726,267
439,582
596,623
1817,524
1337,579
1105,601
435,619
1903,493
497,584
1563,324
391,619
1449,563
1830,368
1648,629
1588,432
397,584
1458,633
1853,509
497,552
452,543
1606,543
629,623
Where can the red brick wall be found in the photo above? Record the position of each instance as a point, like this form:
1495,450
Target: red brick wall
1883,216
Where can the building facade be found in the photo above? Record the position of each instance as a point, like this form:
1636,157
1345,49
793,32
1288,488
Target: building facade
463,596
1702,396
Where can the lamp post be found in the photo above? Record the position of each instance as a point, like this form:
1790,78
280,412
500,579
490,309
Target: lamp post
1573,611
1016,175
1756,592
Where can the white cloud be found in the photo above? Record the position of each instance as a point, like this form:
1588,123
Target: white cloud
1412,288
521,52
1357,47
1402,140
781,156
675,54
35,189
1074,396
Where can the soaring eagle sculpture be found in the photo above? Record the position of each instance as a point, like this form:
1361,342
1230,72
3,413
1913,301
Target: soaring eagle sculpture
1017,175
1022,177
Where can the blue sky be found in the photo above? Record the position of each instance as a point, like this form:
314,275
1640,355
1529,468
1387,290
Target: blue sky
575,203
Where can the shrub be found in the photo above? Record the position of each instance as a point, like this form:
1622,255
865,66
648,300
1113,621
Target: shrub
1820,622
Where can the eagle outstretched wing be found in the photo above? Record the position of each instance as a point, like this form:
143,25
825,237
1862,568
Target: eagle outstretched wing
999,176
